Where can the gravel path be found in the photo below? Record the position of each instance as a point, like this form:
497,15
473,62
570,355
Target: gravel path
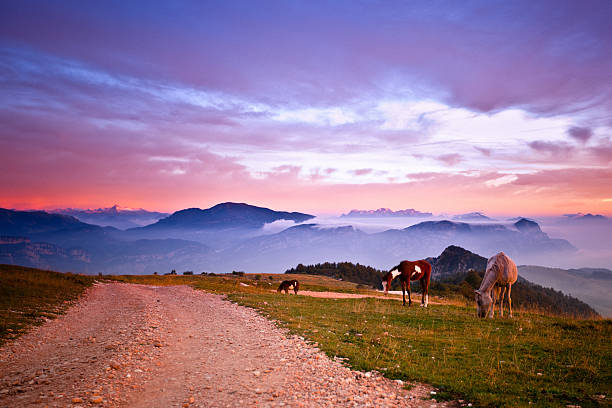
142,346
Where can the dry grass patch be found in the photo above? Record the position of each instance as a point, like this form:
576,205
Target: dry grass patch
29,296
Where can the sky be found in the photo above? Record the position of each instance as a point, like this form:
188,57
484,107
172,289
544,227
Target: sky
314,106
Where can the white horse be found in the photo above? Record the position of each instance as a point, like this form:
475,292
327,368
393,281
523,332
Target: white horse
501,274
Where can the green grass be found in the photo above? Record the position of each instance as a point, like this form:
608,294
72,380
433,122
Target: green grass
30,296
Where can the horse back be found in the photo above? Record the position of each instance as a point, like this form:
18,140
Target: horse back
416,270
507,272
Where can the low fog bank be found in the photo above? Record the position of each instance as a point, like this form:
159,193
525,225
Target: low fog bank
372,225
593,240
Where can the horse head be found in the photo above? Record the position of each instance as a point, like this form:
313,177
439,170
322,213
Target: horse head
388,277
483,303
386,282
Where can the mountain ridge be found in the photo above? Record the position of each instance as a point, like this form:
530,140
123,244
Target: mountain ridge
226,215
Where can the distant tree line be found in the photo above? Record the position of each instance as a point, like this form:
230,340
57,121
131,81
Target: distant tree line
347,271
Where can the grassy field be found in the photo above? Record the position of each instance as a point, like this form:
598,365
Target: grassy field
531,360
30,296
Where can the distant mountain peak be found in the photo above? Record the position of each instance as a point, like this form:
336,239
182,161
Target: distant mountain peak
472,216
440,226
456,260
227,215
585,217
387,212
525,225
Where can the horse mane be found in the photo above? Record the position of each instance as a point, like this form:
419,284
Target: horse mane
386,274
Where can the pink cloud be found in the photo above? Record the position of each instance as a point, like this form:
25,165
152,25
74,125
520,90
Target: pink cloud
450,159
362,172
580,134
484,151
554,149
603,151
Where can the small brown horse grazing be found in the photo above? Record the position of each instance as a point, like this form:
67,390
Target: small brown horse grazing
409,271
288,285
501,273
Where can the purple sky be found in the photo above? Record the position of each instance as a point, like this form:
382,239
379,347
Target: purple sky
503,107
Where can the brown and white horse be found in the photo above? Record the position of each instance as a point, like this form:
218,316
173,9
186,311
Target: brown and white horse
410,271
289,285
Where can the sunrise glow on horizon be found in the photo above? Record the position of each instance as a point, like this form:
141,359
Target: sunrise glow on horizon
318,107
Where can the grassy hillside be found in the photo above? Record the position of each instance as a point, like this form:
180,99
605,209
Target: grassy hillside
29,296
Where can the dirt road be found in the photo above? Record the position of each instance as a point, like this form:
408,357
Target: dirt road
141,346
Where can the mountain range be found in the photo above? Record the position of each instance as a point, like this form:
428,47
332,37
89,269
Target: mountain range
584,218
231,236
62,242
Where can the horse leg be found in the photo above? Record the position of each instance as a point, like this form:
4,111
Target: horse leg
403,293
501,302
409,292
509,300
425,292
494,297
